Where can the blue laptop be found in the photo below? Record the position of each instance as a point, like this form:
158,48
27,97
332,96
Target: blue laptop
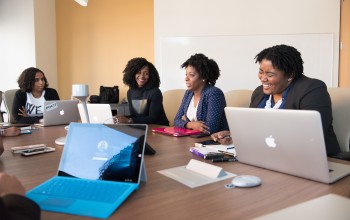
101,165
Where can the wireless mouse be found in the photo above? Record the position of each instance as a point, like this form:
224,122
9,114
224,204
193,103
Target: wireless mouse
246,181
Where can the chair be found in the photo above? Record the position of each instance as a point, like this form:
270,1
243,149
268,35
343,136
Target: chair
171,102
341,120
1,112
238,98
9,95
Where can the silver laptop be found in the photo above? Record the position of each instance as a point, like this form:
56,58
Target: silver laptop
98,113
60,112
100,167
288,141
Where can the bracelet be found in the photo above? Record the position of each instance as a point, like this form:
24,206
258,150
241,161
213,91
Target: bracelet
130,120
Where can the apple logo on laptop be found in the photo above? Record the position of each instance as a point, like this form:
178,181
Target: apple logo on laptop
62,112
270,141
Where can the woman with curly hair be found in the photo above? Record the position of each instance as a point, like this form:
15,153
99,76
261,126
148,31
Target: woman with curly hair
28,104
203,104
144,96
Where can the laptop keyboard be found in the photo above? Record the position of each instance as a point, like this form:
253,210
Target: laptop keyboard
100,191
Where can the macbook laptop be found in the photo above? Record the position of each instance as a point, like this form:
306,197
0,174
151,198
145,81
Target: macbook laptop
175,131
288,141
59,112
99,168
98,113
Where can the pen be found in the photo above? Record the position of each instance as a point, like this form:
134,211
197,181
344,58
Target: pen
224,159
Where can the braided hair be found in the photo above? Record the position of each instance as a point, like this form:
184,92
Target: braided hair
285,58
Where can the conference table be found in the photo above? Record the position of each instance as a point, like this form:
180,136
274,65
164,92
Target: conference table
164,198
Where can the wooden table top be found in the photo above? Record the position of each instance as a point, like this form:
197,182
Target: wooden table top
164,198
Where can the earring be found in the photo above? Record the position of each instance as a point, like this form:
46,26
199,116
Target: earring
290,79
203,80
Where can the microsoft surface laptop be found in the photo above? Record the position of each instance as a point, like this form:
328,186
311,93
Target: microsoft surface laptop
60,112
98,113
101,165
288,141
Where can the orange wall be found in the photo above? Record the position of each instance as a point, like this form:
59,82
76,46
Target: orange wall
94,43
344,64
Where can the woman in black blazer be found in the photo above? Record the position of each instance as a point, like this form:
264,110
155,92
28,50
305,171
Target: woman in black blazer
285,87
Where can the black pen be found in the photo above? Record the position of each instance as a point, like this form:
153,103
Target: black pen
224,159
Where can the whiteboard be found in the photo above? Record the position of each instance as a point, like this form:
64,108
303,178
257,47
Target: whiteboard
235,57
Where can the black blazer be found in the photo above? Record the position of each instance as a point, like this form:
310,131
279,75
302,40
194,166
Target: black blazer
308,94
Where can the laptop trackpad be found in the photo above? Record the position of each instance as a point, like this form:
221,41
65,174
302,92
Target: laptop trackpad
59,202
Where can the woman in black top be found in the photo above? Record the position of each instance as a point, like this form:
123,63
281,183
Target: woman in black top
28,104
144,96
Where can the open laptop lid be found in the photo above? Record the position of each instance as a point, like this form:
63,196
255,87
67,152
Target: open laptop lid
98,113
105,152
288,141
59,112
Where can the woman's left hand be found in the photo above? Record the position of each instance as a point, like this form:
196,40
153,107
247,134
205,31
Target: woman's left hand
199,126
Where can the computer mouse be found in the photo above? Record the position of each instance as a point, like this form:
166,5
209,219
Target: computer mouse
246,181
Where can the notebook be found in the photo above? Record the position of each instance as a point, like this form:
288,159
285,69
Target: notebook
288,141
175,131
100,167
98,113
59,112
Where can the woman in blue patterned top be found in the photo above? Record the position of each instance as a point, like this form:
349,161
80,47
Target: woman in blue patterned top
203,104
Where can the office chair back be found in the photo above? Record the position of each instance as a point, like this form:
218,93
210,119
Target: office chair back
238,97
341,120
9,96
1,113
171,102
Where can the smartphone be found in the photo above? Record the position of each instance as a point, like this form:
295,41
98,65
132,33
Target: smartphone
37,151
207,142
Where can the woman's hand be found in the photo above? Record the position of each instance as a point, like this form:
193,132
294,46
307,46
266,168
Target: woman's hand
22,112
10,185
12,131
120,120
223,137
199,126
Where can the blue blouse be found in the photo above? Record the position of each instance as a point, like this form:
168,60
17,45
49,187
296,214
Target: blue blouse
210,109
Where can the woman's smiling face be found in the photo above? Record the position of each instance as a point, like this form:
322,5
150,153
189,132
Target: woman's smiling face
274,81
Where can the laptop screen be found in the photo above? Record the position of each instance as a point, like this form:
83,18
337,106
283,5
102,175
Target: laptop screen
104,152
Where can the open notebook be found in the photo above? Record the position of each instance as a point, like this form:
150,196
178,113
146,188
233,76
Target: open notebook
288,141
100,167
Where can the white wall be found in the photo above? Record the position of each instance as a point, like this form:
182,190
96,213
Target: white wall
17,40
191,19
27,38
